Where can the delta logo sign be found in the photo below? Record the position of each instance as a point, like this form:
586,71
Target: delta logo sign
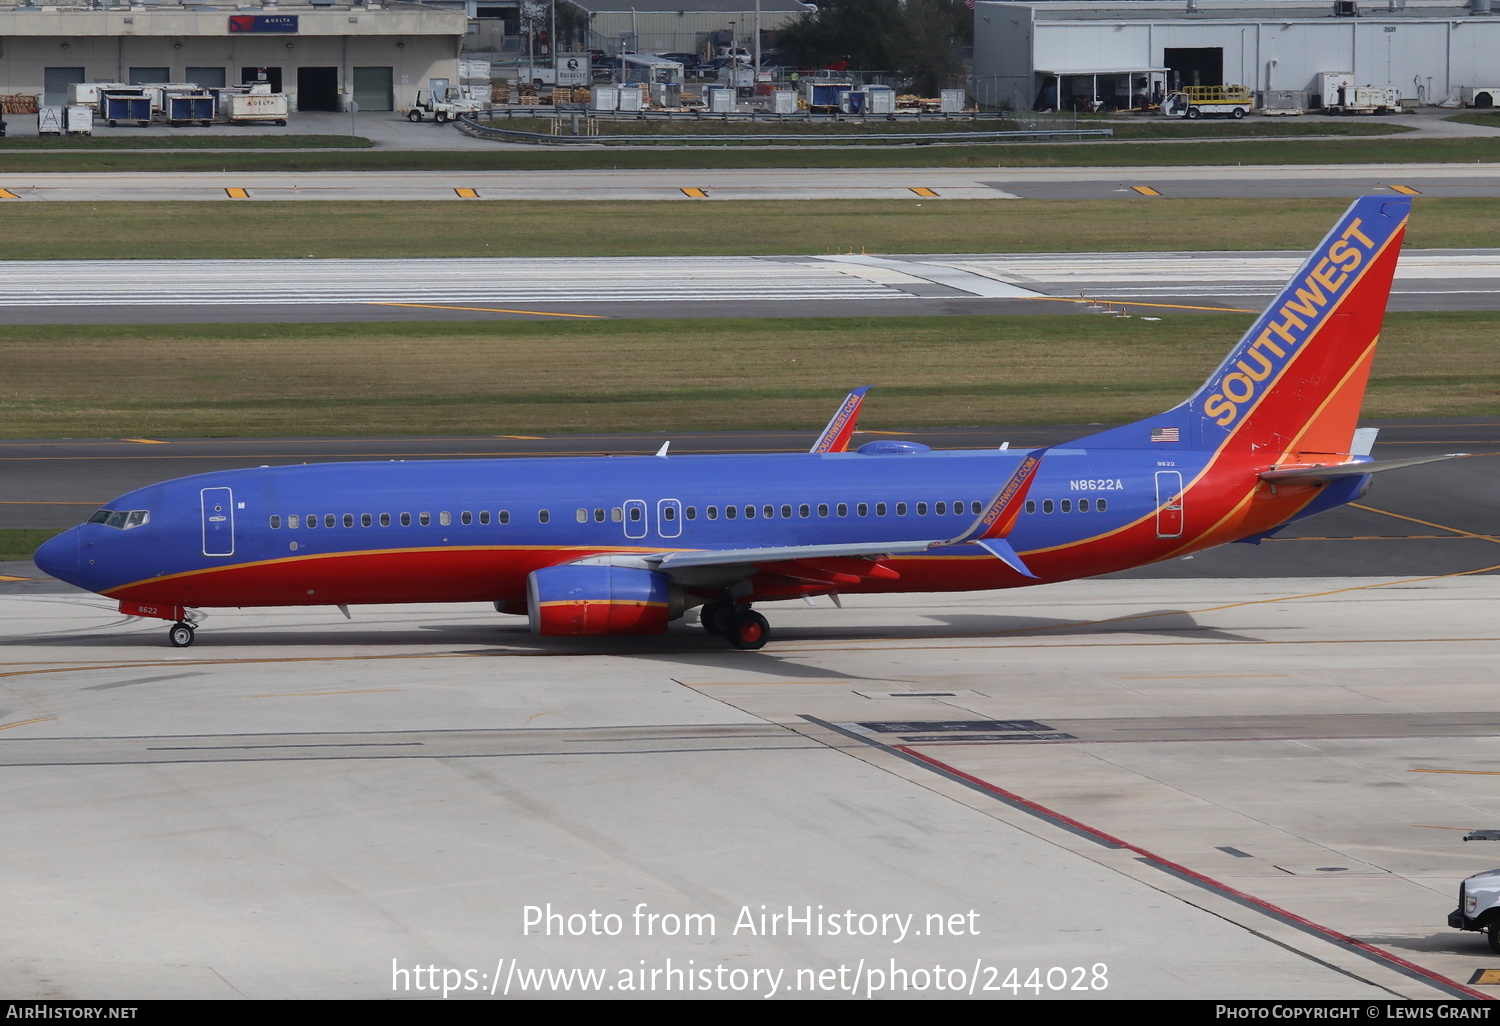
263,23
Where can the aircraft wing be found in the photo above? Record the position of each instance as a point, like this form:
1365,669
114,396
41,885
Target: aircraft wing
1332,472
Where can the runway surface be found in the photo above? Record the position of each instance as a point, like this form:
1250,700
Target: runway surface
157,291
700,185
1224,789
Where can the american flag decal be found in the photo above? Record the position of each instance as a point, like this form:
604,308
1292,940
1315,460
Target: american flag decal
1167,434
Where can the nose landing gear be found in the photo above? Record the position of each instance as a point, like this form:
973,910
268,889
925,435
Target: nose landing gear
180,634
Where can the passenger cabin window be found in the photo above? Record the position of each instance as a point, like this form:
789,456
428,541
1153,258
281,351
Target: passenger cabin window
365,520
293,521
582,516
329,520
880,509
1046,505
484,517
729,512
1067,505
312,521
804,511
466,518
424,519
599,514
921,509
1031,505
669,513
445,518
385,520
275,522
941,509
864,509
691,512
406,520
1083,505
348,519
713,512
635,514
822,509
543,515
843,509
900,509
616,514
504,516
1099,506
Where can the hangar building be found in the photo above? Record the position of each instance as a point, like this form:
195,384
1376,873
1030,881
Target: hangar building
1029,54
321,53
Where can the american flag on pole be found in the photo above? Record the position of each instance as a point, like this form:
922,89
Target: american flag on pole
1164,434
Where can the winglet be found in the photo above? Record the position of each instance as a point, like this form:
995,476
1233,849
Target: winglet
835,437
1001,513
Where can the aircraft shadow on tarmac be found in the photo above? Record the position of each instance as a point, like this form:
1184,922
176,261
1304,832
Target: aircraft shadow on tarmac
514,638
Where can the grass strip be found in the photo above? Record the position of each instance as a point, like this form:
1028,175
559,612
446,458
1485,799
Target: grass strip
1193,153
527,377
18,543
339,230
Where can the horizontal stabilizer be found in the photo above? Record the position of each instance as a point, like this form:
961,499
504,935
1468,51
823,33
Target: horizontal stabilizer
1335,471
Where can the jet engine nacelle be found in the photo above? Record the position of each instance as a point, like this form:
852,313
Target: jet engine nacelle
583,599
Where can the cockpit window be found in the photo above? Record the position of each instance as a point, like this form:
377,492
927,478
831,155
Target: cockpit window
121,519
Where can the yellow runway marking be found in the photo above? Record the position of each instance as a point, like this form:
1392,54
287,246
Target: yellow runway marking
1465,773
237,193
1154,306
752,683
22,723
524,438
1485,977
922,190
7,194
311,694
1429,826
1404,190
467,193
490,309
4,577
1427,523
695,193
1144,190
144,441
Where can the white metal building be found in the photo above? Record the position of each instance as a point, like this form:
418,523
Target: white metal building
1050,53
681,26
322,53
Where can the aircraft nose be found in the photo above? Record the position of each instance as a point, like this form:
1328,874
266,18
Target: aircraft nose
59,556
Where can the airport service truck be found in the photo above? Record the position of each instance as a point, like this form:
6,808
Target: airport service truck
1479,898
1228,101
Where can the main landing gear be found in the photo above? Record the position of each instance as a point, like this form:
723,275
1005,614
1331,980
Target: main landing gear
180,634
741,626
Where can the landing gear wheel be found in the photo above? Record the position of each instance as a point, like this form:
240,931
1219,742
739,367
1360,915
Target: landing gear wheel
414,116
748,630
714,616
180,635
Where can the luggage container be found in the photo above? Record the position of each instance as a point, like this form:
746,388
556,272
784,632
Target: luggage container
783,101
632,99
823,94
880,100
87,93
721,99
951,101
130,104
78,119
1480,96
851,101
183,108
249,108
49,120
604,98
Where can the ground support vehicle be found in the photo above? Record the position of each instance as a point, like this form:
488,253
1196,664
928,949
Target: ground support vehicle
1479,898
442,108
1378,100
1230,101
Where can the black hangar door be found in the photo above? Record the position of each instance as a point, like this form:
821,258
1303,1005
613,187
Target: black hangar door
373,89
317,89
1194,65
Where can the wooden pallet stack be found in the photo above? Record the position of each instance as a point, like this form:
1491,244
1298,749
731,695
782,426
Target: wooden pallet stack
17,103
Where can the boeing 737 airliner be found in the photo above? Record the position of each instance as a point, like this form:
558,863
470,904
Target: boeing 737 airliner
625,545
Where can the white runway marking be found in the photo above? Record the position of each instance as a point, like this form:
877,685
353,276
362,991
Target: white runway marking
82,283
